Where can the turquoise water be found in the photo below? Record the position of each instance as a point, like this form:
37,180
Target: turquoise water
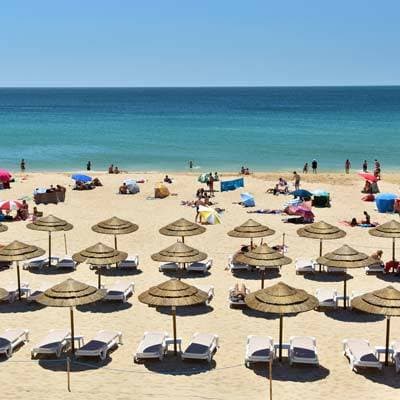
219,128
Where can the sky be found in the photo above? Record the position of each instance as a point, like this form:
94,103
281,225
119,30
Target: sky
199,43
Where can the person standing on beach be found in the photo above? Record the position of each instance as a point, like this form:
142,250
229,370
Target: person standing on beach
22,165
89,165
211,184
314,166
296,177
365,166
347,166
190,164
305,168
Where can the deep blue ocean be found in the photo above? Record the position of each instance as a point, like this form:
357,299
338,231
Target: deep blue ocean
218,128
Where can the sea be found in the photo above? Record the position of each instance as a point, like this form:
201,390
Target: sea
219,129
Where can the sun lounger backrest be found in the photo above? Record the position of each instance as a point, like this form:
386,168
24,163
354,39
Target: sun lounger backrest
105,336
361,350
12,334
303,347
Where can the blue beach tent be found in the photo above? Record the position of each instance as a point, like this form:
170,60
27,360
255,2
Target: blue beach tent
385,202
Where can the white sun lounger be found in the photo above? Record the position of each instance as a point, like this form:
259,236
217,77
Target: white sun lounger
395,346
11,338
375,268
100,344
132,262
201,347
335,270
200,266
303,350
360,354
169,267
235,300
54,343
233,266
12,290
35,263
120,291
66,262
33,294
152,345
327,297
259,349
305,265
209,289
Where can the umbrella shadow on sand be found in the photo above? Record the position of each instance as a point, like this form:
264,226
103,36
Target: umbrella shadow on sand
256,275
343,315
186,274
187,311
293,373
259,314
105,307
172,365
52,270
19,307
327,277
120,272
389,277
387,376
77,365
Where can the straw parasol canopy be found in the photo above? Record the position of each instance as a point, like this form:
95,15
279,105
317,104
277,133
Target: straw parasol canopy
50,224
383,302
345,257
100,255
173,293
115,226
180,253
281,299
323,231
251,229
263,257
389,229
18,251
70,293
3,294
3,228
182,227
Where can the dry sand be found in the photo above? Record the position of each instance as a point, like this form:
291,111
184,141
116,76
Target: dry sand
119,378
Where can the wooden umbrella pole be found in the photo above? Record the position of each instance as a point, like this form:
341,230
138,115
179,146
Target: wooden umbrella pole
345,291
320,253
262,278
99,277
183,239
394,249
71,312
174,328
280,335
65,243
49,249
115,242
19,281
283,242
387,340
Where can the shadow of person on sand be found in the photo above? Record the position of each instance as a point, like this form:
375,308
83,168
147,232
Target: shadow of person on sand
105,307
387,376
327,277
20,306
186,311
293,373
350,315
174,365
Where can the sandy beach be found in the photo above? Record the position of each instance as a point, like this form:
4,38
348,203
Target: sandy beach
227,377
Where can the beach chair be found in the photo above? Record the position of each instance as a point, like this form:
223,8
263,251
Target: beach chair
234,266
395,346
12,290
35,263
327,297
303,350
152,345
66,262
305,266
209,289
54,343
100,344
360,354
168,267
236,297
259,349
33,294
12,338
200,267
132,262
202,346
334,270
375,268
120,291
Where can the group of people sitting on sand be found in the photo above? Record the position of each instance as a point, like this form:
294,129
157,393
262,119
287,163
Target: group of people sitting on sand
79,185
113,170
167,179
244,170
51,189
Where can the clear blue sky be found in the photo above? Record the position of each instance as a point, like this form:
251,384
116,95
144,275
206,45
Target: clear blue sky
199,42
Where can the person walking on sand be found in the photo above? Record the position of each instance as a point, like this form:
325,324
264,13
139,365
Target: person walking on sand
347,166
296,177
305,168
365,166
89,165
190,164
211,184
22,165
314,166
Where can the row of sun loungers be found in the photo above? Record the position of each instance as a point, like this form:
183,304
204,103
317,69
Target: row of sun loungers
192,267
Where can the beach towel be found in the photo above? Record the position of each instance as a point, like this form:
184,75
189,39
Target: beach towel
231,185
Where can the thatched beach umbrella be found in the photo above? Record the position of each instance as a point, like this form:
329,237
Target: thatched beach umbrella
390,229
263,257
50,224
322,231
3,294
3,228
18,251
173,293
100,255
345,258
71,293
251,229
115,226
281,299
382,302
179,253
181,228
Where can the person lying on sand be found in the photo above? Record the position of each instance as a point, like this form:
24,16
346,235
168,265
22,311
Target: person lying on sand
123,189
